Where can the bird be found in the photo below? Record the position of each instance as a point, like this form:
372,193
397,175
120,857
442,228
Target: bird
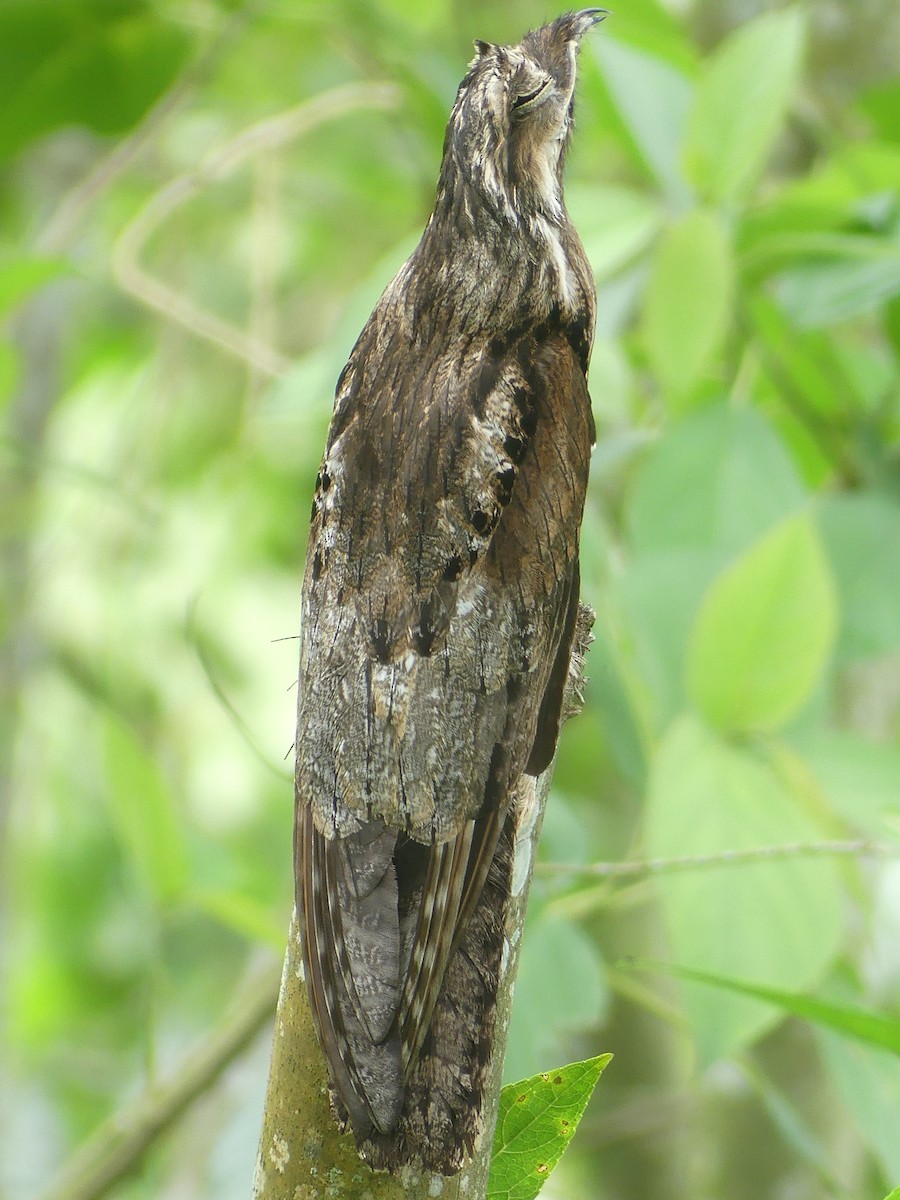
439,601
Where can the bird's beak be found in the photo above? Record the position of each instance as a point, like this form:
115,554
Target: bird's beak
588,17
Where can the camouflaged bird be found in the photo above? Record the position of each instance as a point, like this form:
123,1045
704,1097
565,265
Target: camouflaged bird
439,603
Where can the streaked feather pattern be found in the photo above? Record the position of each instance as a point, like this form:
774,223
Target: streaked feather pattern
439,603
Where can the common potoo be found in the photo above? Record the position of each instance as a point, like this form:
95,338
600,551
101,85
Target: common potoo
439,603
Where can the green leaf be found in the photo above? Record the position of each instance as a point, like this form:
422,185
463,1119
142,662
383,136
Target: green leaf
419,17
791,1123
615,696
856,530
95,63
536,1122
881,103
712,484
660,594
655,29
820,293
856,1023
783,248
773,919
859,777
560,988
687,308
804,360
894,1195
653,99
22,276
145,817
867,1081
9,371
241,913
718,478
740,103
615,224
764,632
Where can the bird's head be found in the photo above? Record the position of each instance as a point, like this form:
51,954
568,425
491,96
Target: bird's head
510,125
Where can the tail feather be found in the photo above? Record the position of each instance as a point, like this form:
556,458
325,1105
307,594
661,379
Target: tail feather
365,1072
363,877
441,1117
408,1063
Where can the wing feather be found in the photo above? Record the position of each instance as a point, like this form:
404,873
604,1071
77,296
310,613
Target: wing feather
435,931
365,1070
441,588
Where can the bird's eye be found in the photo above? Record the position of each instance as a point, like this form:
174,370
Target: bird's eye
525,99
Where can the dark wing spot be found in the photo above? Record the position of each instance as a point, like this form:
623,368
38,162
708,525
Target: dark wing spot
505,481
381,645
497,780
528,422
318,565
484,522
430,624
323,479
452,569
423,640
514,448
579,338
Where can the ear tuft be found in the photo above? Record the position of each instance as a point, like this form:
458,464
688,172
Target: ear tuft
482,49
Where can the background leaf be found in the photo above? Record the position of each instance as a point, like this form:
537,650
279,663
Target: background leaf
718,478
856,530
764,631
99,64
707,796
740,102
20,277
653,98
688,303
866,1027
145,816
869,1081
561,990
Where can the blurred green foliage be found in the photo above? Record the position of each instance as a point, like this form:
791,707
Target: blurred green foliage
171,336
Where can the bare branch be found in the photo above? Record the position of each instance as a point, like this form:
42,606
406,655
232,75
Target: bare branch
117,1147
265,135
76,203
860,848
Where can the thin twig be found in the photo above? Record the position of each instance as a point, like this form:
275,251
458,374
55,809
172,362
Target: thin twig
117,1147
197,641
57,234
268,134
861,848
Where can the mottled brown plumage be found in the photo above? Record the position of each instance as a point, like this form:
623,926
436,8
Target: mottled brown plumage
439,603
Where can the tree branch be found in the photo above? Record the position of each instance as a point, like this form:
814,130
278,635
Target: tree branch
268,134
859,848
69,213
117,1147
